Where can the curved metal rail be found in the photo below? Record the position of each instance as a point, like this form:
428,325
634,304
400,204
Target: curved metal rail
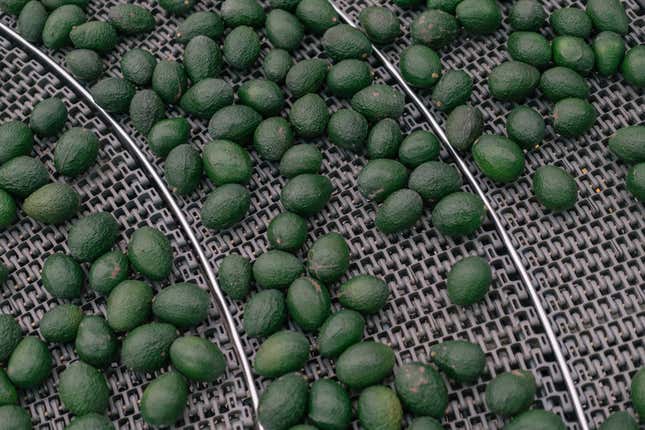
165,193
515,257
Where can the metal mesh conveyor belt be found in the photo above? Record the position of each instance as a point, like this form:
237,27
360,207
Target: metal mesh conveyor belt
587,263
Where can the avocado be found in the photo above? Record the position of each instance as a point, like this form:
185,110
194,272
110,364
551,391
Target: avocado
317,15
16,139
92,236
276,269
342,42
22,175
421,389
92,421
348,77
8,210
635,182
95,342
381,25
529,47
48,117
525,126
499,158
511,393
633,65
183,169
418,147
609,50
469,280
461,361
328,258
574,53
309,303
84,64
169,81
535,419
53,203
234,276
183,305
309,116
145,349
264,313
329,405
287,232
380,178
146,109
164,400
76,151
379,101
4,273
272,138
10,336
15,417
55,4
289,5
30,363
628,144
130,19
620,420
226,162
177,7
150,253
554,188
202,60
434,28
348,129
384,139
560,83
12,6
573,117
242,13
434,180
420,66
283,352
168,134
83,389
399,212
60,323
340,331
276,64
108,271
425,423
207,97
307,76
129,305
571,21
608,15
264,96
379,409
203,23
479,16
444,5
137,66
113,94
98,36
453,89
459,214
284,30
366,294
300,159
306,194
8,393
283,403
235,122
364,364
241,47
513,81
527,15
638,393
31,21
197,358
60,23
62,277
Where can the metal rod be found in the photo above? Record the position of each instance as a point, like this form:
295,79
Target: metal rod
535,298
166,194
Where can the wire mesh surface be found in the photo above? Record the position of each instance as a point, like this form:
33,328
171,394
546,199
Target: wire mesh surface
587,263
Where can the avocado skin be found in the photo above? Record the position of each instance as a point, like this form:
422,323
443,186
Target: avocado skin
434,180
306,194
469,280
183,169
60,323
459,360
207,97
8,210
226,162
183,305
635,182
379,408
458,214
419,147
633,66
399,212
264,313
364,364
59,24
236,123
309,116
300,159
30,363
177,7
276,65
264,96
146,109
380,178
16,139
53,203
10,336
434,28
329,405
628,144
83,389
85,64
425,423
608,15
445,5
479,16
276,269
76,151
317,15
511,393
284,402
8,393
23,175
131,19
364,293
453,89
609,49
164,400
536,419
384,139
309,303
513,81
527,15
499,158
15,417
98,36
378,101
620,420
343,41
381,25
638,393
284,30
329,257
96,343
306,76
150,253
525,126
574,53
113,94
197,358
530,47
283,352
48,117
92,236
129,305
573,117
571,21
241,47
560,83
202,59
421,389
207,24
340,331
108,271
145,349
420,66
287,232
62,277
169,81
554,188
137,66
234,276
91,421
12,6
348,77
31,21
272,138
348,129
168,134
237,13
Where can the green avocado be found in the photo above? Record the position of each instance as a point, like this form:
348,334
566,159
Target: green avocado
379,101
183,169
535,419
379,408
307,76
113,94
62,277
511,393
608,15
31,21
317,15
571,21
309,303
235,122
306,194
16,139
283,403
328,258
264,96
234,276
633,66
620,420
83,389
53,203
226,162
342,42
554,188
60,323
137,66
130,19
183,305
425,423
381,25
529,47
573,117
108,271
146,348
434,180
129,305
95,341
10,336
202,60
421,389
419,147
284,4
479,16
400,211
92,236
264,313
364,364
168,134
445,5
366,294
459,214
8,210
637,390
150,253
329,405
340,331
60,23
499,158
91,421
461,361
277,269
628,144
420,66
203,23
380,178
98,36
309,116
348,129
609,50
164,400
301,159
15,417
169,81
348,77
283,352
384,139
635,182
146,109
525,126
22,176
574,53
197,358
287,232
76,151
241,47
48,117
272,138
527,15
453,89
513,81
8,393
284,30
469,280
207,97
84,64
30,363
177,7
276,64
434,28
560,83
242,13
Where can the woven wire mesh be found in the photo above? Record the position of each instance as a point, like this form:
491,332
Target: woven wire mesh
596,309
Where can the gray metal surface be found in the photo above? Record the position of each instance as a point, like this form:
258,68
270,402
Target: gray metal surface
587,264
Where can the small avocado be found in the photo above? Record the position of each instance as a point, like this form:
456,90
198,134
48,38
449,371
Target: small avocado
284,30
364,364
328,258
146,109
469,280
197,358
560,83
130,19
609,50
283,352
183,169
15,417
420,66
307,76
22,176
241,47
620,420
348,129
60,23
301,159
400,211
571,21
381,25
306,194
137,66
16,139
529,47
309,303
525,126
92,236
459,214
536,418
83,389
574,53
608,15
150,253
379,408
380,178
276,64
31,21
527,15
226,162
453,89
169,81
177,7
84,64
164,400
499,158
234,276
60,323
183,305
95,342
384,139
264,313
76,151
283,403
479,16
202,60
108,271
340,331
554,188
419,147
628,144
272,138
236,123
208,96
348,77
329,405
8,393
8,210
513,81
277,269
421,389
434,180
91,421
48,117
242,13
168,134
366,294
434,28
461,361
309,116
379,101
264,96
573,117
202,23
98,36
637,390
146,348
317,15
113,94
444,5
129,305
633,65
10,336
635,182
53,203
287,232
30,363
62,277
511,393
342,42
425,423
